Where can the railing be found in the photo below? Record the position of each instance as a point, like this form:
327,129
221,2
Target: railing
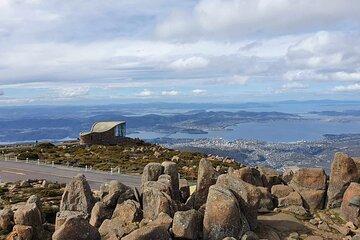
87,168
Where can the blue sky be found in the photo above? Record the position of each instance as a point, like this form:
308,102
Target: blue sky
87,51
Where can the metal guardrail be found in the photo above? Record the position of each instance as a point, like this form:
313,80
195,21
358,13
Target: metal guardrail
52,164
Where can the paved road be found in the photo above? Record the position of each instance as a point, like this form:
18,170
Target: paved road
13,171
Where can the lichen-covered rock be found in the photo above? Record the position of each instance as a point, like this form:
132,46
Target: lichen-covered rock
21,232
156,202
118,193
205,178
248,195
76,228
29,215
123,220
151,172
157,229
77,196
186,224
99,213
6,219
170,168
281,191
343,172
62,216
350,207
310,183
223,216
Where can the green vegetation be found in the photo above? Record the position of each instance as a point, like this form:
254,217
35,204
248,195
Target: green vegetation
130,157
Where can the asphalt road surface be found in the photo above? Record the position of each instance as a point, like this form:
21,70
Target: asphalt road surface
11,171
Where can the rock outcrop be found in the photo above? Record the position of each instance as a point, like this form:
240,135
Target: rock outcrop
186,224
343,172
76,228
223,216
350,206
310,183
77,196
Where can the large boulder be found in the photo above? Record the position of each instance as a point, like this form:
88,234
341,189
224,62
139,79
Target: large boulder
251,175
30,215
62,216
99,213
343,172
77,196
123,220
223,216
310,183
281,191
186,224
350,206
157,229
170,168
118,193
76,228
206,177
21,232
269,176
6,219
155,202
249,196
151,172
266,200
293,199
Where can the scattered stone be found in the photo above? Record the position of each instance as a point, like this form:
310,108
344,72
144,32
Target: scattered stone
76,228
343,172
266,201
324,226
223,216
118,193
77,196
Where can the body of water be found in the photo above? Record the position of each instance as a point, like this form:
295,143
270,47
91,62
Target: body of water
273,131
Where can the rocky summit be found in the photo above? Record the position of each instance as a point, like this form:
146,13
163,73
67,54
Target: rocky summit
244,203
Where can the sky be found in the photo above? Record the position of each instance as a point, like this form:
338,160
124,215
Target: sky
114,51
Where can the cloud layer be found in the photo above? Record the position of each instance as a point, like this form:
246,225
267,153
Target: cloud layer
203,50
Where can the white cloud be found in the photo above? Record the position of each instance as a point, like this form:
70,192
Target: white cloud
199,92
72,92
292,87
189,63
348,88
145,93
233,80
170,93
311,75
234,18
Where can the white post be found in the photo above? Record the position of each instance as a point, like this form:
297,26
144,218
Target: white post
16,159
27,160
111,170
86,168
52,164
38,162
118,170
